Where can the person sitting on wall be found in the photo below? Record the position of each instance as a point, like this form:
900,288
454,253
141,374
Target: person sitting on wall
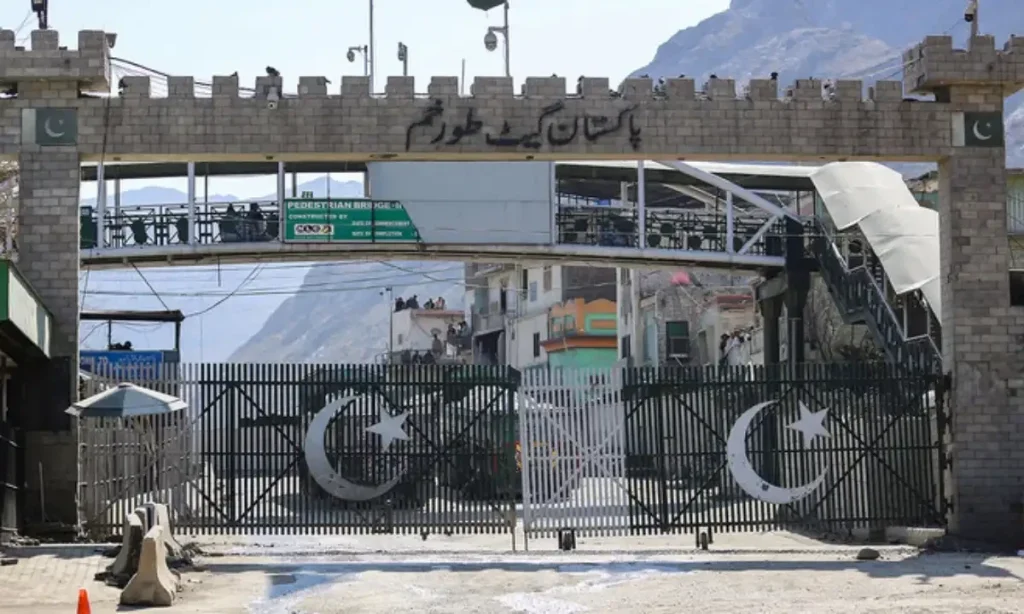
273,225
139,233
412,303
181,226
429,304
229,225
253,225
399,304
440,303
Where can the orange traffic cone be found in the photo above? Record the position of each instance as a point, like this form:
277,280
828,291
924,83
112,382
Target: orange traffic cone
83,602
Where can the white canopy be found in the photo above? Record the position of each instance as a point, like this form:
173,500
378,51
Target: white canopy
903,234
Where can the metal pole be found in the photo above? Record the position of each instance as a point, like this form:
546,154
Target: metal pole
116,234
508,64
367,69
192,230
729,228
641,204
372,52
974,22
391,322
101,206
405,64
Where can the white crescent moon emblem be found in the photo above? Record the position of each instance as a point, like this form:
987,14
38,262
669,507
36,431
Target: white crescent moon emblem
320,467
50,132
977,133
745,475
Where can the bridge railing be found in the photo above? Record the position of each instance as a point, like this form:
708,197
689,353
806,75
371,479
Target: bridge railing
666,229
159,225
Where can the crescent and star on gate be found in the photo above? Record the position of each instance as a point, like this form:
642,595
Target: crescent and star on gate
390,428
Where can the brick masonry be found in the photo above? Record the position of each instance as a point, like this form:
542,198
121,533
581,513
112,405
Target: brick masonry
677,120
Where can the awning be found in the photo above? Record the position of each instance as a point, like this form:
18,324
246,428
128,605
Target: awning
903,234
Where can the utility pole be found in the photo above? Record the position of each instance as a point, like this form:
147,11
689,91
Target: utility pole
391,321
42,10
971,17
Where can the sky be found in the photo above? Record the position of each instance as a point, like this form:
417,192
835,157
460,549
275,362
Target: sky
203,38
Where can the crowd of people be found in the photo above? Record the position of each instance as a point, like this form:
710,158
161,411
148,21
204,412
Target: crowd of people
413,302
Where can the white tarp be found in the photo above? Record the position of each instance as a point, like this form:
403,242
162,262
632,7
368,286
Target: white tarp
851,191
903,234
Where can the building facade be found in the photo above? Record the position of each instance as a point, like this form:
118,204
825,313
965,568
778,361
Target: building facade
510,308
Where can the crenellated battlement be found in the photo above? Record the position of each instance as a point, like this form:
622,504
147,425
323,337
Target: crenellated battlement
498,117
534,88
935,64
46,59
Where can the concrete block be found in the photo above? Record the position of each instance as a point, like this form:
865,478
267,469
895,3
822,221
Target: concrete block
161,517
637,88
594,87
492,87
400,87
127,559
443,86
154,584
314,86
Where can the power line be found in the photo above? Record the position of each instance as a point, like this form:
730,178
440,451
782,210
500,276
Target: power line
151,288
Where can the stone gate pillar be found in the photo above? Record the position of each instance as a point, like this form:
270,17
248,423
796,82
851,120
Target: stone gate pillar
49,81
983,346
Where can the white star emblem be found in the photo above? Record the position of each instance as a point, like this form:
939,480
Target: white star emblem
389,428
811,424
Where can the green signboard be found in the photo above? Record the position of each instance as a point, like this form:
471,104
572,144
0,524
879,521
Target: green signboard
350,220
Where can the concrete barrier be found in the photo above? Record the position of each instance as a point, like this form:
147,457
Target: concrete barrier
154,584
127,561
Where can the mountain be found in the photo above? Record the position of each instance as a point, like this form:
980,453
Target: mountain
218,325
346,320
862,39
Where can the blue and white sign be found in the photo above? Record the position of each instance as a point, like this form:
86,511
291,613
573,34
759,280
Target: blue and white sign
125,363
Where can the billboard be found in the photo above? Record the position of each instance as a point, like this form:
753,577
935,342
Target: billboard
346,220
479,203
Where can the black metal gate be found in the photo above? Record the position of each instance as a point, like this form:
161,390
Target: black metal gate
347,449
829,447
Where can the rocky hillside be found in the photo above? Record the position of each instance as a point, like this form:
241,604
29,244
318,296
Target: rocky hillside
830,39
335,318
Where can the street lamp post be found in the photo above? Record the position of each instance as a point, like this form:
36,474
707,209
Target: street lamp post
365,52
372,53
403,57
491,39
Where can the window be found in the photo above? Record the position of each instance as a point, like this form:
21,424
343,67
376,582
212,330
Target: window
399,338
677,339
626,349
533,291
1017,288
547,279
570,323
536,345
526,279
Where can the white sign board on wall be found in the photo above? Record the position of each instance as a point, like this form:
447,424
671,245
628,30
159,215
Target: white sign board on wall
483,203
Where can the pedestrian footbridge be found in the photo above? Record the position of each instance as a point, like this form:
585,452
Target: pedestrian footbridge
697,214
856,223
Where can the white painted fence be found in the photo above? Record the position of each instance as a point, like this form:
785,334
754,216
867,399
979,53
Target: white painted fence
573,452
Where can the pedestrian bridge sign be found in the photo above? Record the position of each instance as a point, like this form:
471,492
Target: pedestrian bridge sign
350,220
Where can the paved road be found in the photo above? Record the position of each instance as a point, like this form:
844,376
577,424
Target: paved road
770,573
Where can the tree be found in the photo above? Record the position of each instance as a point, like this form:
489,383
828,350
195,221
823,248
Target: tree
8,207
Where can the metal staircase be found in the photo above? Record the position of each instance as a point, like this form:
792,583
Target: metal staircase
861,300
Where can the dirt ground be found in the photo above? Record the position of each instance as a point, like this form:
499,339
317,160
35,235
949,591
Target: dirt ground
472,574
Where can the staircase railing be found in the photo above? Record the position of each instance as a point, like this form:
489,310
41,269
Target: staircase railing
859,296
